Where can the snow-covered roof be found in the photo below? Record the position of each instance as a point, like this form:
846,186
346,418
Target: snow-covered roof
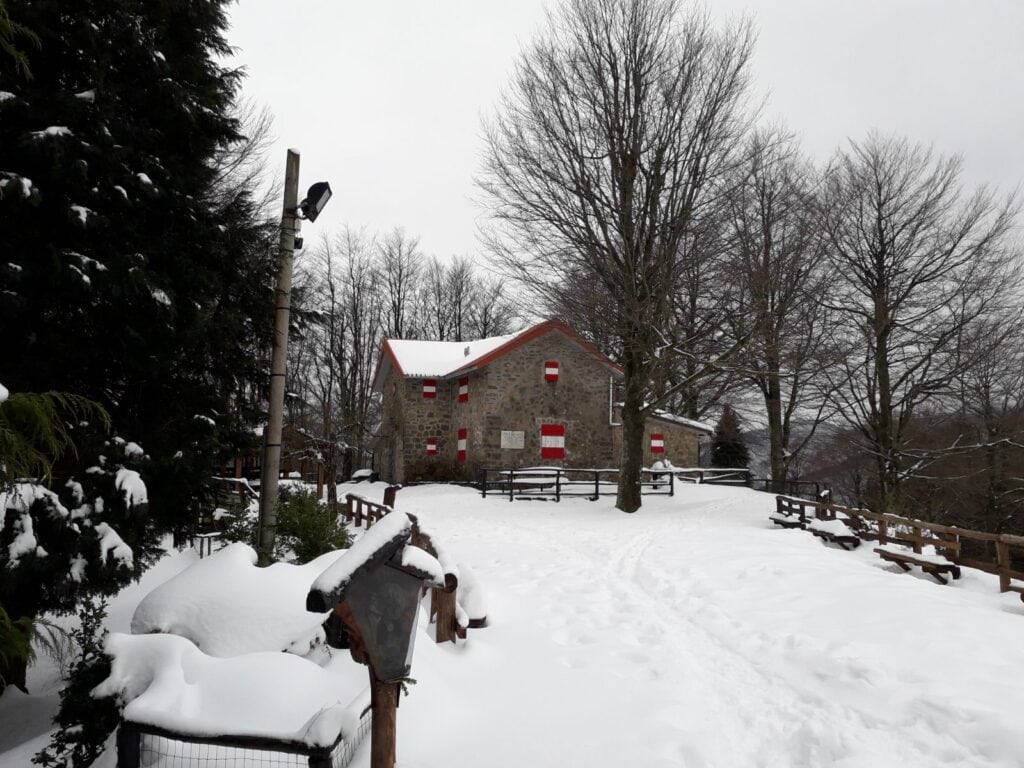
394,528
440,358
673,418
411,358
700,426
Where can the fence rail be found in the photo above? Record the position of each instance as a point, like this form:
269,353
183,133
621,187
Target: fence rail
808,489
893,529
552,483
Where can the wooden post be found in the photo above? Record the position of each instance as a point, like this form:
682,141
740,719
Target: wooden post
319,481
384,705
389,496
129,752
916,534
443,605
597,485
511,483
558,485
883,531
1003,563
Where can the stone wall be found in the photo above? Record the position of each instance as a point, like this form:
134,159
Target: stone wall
681,443
511,394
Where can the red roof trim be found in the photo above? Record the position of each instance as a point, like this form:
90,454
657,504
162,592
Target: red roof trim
554,324
388,354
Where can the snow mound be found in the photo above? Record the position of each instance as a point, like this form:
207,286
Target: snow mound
167,682
227,606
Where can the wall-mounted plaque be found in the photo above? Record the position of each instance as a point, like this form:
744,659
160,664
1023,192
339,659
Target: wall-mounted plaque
513,440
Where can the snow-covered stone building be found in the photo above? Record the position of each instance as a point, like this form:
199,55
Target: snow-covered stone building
543,396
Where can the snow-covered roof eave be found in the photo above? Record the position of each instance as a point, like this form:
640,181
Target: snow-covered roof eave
682,421
696,426
416,359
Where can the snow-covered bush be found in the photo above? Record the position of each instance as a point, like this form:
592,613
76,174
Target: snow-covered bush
90,535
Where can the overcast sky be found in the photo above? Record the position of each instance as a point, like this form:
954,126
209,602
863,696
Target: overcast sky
384,98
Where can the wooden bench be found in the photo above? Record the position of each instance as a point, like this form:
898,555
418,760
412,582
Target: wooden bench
790,513
934,567
834,531
534,483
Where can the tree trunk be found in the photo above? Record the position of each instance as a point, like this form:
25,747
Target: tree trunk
628,498
885,437
332,472
776,437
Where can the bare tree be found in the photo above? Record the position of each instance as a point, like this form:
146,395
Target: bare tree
917,263
992,398
618,120
460,290
703,371
401,268
776,262
241,168
494,312
434,301
340,349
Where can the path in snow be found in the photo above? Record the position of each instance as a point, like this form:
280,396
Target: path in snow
679,636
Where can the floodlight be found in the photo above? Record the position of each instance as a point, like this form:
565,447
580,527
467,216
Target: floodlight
316,199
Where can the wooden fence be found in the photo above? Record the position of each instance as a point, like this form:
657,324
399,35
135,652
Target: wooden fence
552,483
966,547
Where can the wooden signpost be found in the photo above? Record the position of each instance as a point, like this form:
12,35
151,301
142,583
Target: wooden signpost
378,603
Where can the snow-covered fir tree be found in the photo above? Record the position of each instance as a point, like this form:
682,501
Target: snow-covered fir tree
135,271
728,448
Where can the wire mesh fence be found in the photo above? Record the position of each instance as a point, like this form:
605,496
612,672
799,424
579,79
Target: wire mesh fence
143,746
163,752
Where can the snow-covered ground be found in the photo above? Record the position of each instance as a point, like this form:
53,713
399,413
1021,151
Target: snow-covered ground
692,633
